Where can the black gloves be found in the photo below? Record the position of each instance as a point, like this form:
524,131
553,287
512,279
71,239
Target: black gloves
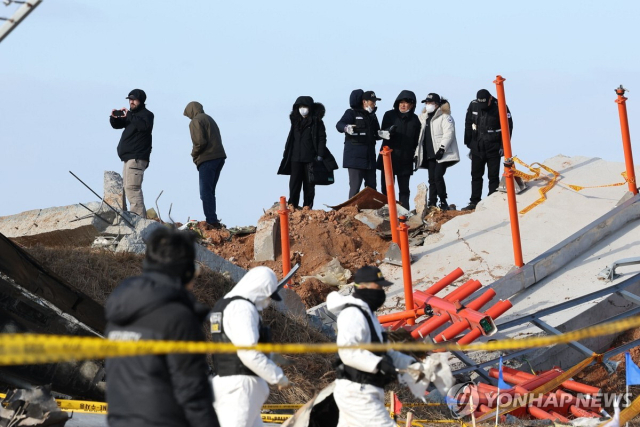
440,153
392,129
387,369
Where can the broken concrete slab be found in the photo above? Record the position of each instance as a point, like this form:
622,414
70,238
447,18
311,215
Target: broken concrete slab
217,263
266,239
421,200
480,243
58,226
113,189
135,240
373,220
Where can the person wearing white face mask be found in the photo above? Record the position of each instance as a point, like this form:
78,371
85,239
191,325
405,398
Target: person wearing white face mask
362,129
242,378
306,143
438,148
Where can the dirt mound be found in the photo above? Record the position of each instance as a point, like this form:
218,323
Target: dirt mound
316,237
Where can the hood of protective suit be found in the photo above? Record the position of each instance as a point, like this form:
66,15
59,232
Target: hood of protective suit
192,109
337,302
406,94
355,99
256,286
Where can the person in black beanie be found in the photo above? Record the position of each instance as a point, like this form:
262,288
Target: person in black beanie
167,390
483,138
134,148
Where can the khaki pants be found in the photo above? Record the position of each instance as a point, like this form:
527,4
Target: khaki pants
132,175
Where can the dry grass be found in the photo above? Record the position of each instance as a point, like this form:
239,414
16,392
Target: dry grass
97,272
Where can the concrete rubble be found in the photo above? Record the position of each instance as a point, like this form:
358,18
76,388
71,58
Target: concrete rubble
421,200
265,243
566,241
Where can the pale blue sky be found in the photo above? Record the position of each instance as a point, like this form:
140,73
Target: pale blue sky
70,62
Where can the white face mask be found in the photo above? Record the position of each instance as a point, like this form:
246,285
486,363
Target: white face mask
431,108
369,109
303,111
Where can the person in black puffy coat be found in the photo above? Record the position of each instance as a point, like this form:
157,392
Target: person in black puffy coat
306,143
403,127
360,126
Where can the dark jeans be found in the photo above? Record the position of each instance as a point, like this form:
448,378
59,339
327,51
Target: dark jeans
297,181
437,186
355,180
477,171
209,172
403,187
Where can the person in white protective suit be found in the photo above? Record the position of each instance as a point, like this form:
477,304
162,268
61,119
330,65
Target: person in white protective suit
362,374
240,383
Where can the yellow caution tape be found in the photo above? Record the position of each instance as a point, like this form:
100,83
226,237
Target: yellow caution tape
84,406
536,175
539,391
275,418
26,349
624,175
425,423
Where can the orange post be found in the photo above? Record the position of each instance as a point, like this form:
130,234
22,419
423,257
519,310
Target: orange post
508,172
403,231
284,236
391,194
626,139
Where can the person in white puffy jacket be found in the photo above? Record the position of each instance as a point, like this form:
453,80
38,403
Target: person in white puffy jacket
362,374
240,385
437,146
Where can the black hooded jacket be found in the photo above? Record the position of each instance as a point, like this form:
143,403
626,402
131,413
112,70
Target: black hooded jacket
166,390
360,148
135,142
307,137
404,139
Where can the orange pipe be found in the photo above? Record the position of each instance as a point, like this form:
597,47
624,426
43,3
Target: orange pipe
497,310
284,236
626,139
391,195
445,281
403,230
463,291
508,173
458,327
569,384
579,412
401,315
433,323
429,325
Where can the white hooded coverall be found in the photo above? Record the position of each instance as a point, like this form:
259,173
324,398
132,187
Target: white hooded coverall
238,399
361,405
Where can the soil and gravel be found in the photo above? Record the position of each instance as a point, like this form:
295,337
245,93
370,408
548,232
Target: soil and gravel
316,238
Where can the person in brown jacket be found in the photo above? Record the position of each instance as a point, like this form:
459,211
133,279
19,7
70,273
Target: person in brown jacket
209,156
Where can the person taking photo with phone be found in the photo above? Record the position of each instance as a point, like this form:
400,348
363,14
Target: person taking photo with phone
134,148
